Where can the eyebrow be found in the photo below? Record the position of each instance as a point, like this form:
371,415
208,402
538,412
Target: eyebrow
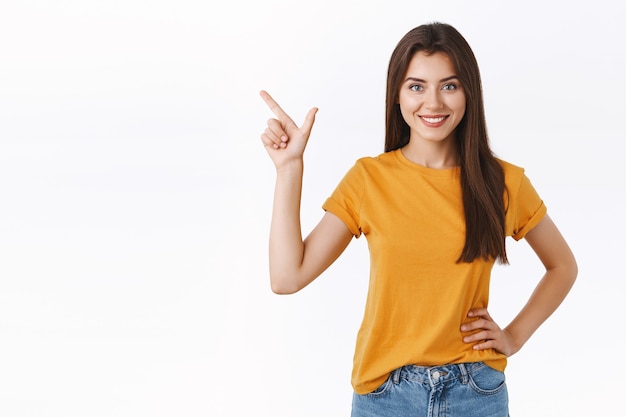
443,80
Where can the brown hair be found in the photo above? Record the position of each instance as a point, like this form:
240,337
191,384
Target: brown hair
482,177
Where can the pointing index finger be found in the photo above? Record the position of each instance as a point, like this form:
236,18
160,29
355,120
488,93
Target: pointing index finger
276,109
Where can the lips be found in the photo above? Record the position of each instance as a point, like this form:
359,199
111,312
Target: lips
433,121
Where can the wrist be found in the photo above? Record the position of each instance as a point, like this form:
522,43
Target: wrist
292,166
516,341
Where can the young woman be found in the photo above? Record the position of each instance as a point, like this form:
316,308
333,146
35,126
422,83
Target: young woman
436,208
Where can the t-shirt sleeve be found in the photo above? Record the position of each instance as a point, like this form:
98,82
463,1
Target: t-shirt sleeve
345,201
528,208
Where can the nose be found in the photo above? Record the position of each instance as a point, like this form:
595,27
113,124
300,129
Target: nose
433,99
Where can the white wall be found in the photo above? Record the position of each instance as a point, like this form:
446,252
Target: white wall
135,198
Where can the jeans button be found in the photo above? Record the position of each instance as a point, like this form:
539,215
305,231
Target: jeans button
436,375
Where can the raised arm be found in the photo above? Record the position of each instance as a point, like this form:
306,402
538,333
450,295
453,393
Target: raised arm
294,262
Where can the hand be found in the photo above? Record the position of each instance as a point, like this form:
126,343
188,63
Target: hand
486,334
283,139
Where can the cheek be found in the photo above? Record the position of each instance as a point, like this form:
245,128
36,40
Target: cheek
407,114
458,104
407,108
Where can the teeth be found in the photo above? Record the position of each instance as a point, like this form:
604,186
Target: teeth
433,119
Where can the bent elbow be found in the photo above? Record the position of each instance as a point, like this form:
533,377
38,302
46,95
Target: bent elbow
569,273
281,290
572,268
574,271
283,286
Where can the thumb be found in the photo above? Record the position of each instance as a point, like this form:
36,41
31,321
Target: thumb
307,125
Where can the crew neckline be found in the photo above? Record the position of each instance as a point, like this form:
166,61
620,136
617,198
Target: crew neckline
433,172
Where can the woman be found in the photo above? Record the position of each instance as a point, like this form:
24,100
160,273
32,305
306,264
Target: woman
436,208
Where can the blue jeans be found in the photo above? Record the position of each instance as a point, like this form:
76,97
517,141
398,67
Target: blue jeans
461,390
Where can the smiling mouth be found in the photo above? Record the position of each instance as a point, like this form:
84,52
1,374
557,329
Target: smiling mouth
433,119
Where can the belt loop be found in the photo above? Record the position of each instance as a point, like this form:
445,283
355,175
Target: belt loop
395,376
464,375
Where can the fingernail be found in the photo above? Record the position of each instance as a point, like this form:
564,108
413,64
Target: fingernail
463,328
283,138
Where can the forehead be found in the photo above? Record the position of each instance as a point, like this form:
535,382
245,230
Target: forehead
437,65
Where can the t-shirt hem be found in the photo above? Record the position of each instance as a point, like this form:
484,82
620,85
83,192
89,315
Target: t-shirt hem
335,208
534,221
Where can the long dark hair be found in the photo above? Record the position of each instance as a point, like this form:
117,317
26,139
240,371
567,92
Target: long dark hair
482,177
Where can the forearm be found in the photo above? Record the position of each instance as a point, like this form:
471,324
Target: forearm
286,247
545,299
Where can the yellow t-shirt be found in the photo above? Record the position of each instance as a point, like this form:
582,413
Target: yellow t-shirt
418,296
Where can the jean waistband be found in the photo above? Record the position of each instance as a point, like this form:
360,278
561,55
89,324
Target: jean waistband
436,374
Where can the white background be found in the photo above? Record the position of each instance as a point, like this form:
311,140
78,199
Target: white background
135,198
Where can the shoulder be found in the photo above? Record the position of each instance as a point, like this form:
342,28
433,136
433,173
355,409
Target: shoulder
509,168
381,161
370,168
513,174
517,183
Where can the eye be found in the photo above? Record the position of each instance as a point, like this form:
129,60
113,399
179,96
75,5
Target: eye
449,86
416,87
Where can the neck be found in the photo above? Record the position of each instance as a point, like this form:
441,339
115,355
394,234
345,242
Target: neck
436,155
